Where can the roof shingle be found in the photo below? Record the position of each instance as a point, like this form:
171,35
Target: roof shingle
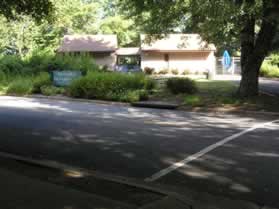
89,43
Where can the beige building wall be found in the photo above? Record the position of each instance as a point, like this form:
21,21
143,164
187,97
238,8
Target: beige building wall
153,60
105,59
190,61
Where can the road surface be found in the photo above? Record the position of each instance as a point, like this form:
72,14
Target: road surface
229,155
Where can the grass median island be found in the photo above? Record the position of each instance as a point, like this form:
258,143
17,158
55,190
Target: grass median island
222,94
214,94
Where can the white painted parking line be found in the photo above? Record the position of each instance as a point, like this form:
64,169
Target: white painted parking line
206,150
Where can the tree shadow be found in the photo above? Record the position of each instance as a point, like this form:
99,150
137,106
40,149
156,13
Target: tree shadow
137,143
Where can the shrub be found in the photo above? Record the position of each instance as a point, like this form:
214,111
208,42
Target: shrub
193,100
163,71
186,72
174,71
2,77
51,90
268,70
274,59
149,84
143,95
149,70
20,86
11,65
109,86
43,79
181,85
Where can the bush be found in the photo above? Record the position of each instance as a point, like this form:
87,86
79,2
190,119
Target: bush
43,79
163,71
193,100
109,86
274,59
268,70
3,77
149,84
48,63
181,85
186,72
149,70
51,90
20,86
11,65
174,71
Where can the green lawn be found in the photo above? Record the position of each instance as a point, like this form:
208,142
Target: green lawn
223,94
218,94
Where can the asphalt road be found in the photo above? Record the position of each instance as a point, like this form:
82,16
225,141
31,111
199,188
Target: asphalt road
270,86
138,143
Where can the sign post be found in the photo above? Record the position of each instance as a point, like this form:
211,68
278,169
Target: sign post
226,60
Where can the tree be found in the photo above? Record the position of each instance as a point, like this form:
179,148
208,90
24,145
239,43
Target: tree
36,8
125,30
251,24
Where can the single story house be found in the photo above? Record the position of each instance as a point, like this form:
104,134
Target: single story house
101,47
178,51
174,51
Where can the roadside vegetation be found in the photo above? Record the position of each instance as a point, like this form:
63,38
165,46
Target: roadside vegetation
112,86
270,67
32,75
205,94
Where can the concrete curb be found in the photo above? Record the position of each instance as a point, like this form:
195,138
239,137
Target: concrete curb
53,165
180,108
228,111
63,98
169,200
156,105
269,79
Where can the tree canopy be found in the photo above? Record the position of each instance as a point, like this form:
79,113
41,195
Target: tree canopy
251,25
23,33
36,8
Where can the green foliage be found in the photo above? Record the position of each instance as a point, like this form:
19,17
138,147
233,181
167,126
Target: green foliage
274,59
269,70
174,71
125,29
37,8
149,84
164,71
181,85
43,79
20,86
193,100
109,86
3,77
12,65
186,72
51,90
23,35
219,22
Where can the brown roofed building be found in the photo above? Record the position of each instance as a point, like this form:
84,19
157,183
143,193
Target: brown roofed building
101,47
173,51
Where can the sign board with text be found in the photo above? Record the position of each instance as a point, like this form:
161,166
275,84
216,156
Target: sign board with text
64,78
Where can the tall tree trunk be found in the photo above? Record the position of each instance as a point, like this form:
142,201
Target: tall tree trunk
249,82
254,51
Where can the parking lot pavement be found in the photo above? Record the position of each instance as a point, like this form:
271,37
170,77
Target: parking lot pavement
246,168
21,192
138,143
